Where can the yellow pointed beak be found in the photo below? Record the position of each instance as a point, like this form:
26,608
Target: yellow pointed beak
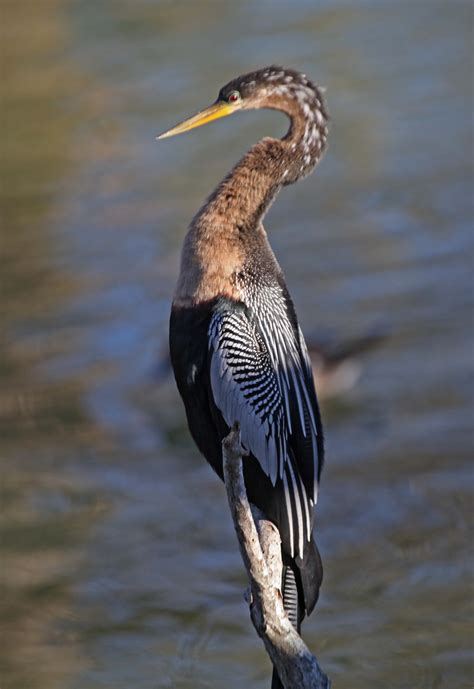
213,112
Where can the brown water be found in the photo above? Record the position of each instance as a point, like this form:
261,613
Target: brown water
120,566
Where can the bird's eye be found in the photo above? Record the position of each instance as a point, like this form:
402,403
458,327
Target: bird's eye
233,97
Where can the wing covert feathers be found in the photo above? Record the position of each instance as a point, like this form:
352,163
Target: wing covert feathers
259,377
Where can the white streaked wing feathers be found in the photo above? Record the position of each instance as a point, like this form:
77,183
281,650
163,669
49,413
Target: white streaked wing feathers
284,352
256,372
243,381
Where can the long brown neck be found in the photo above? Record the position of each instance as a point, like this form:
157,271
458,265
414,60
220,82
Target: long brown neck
240,201
216,245
229,224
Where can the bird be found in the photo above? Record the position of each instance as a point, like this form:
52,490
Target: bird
337,365
237,351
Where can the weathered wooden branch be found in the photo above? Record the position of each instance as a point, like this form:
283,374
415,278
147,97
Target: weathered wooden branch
259,542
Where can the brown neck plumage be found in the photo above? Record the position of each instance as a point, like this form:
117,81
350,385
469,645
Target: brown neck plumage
216,245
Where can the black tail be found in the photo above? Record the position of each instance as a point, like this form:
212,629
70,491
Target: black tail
291,602
301,581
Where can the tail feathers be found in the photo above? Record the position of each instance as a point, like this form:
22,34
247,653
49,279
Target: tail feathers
311,574
293,610
290,598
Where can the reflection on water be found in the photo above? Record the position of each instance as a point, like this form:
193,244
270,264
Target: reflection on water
120,565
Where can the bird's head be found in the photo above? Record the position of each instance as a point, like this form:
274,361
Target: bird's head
271,87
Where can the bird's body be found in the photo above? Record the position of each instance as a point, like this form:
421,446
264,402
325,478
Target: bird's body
237,351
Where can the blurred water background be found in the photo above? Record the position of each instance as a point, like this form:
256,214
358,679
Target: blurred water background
120,566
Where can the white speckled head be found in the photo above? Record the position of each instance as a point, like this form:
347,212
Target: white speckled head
255,87
294,94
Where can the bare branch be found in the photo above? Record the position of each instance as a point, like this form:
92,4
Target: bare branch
259,543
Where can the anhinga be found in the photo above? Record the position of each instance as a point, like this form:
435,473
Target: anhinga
237,351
